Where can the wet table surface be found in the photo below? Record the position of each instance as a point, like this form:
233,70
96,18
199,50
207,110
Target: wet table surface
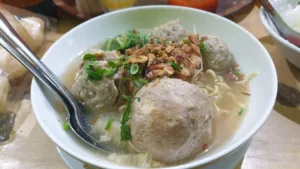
275,146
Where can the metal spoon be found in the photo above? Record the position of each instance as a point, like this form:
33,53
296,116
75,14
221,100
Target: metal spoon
283,28
78,120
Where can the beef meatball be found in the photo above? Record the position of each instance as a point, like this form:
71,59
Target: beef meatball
95,94
216,56
172,120
171,31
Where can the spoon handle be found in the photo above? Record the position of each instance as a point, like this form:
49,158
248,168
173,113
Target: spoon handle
14,44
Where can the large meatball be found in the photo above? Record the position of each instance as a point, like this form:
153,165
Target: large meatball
171,31
216,56
172,120
95,94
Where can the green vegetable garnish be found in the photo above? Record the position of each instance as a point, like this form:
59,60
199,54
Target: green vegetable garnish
186,40
107,44
110,44
89,57
145,38
143,81
134,69
134,75
121,42
117,63
236,73
202,48
176,66
241,112
108,125
66,126
97,73
130,39
125,132
125,129
128,98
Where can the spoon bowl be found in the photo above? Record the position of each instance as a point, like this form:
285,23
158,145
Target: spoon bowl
77,117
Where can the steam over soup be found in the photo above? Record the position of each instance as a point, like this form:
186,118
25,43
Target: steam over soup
160,98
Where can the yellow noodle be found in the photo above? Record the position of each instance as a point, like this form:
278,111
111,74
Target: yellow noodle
208,88
215,91
224,85
249,78
212,73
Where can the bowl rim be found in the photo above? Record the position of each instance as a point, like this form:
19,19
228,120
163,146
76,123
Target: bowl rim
266,22
35,89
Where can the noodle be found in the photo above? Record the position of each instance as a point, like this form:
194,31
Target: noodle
250,77
217,86
216,91
224,85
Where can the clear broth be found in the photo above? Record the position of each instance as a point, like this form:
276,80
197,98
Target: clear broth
224,125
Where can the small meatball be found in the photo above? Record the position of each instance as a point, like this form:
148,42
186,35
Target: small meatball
111,55
216,56
95,94
172,120
171,31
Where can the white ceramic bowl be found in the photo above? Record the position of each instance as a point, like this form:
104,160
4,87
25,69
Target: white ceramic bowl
248,51
288,50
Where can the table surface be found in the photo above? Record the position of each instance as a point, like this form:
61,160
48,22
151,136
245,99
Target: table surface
275,146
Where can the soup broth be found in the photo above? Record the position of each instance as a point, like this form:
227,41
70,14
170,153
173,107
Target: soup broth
225,122
219,83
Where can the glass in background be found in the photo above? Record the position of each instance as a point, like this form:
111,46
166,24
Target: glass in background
112,5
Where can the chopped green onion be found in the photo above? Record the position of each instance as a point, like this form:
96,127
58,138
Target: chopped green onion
66,126
110,45
128,98
125,129
107,44
143,81
112,64
202,48
241,112
236,73
176,66
89,57
109,123
125,132
117,63
134,69
186,41
121,42
109,72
